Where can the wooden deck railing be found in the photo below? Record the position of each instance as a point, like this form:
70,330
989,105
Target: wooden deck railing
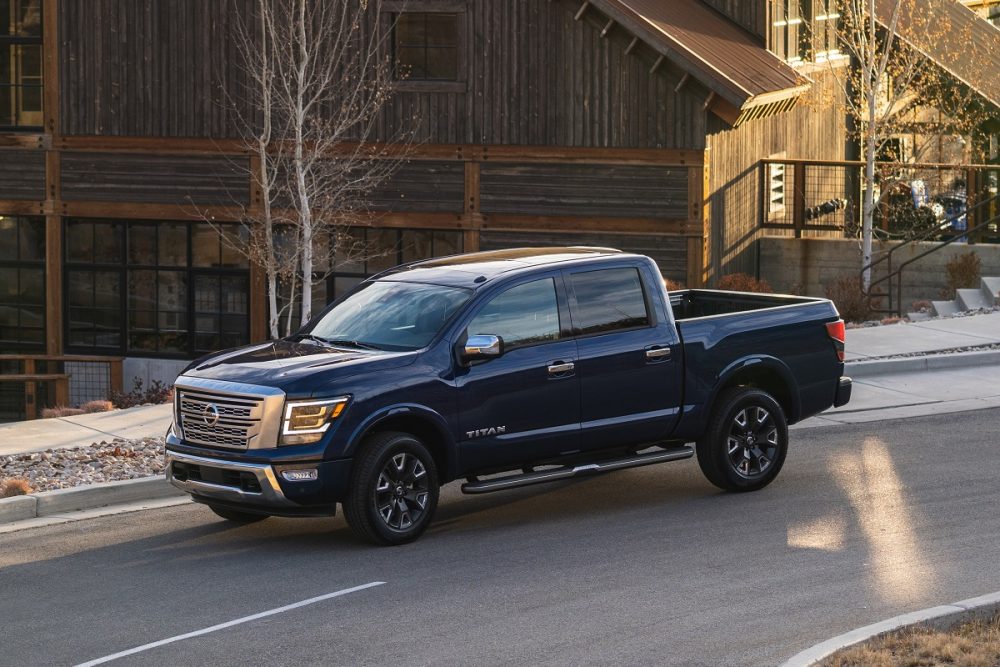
29,374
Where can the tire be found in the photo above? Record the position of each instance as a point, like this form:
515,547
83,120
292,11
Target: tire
394,489
731,454
236,516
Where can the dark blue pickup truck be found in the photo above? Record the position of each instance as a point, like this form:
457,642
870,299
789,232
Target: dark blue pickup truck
503,369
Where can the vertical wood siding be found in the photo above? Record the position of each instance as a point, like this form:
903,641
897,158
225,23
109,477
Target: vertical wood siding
750,14
813,130
22,175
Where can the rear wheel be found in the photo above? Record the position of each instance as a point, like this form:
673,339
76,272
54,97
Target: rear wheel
236,516
394,489
745,444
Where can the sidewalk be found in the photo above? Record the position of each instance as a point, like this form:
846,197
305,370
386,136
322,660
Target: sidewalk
881,392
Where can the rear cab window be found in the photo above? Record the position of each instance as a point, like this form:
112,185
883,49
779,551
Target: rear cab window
606,300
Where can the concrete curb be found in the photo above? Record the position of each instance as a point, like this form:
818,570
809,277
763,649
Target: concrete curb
87,497
929,362
940,617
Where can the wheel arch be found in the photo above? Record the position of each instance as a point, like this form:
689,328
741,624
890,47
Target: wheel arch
428,426
766,373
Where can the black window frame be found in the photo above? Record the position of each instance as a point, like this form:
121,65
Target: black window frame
575,308
426,47
123,268
19,264
11,93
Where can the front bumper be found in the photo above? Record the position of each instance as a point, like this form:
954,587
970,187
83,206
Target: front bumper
843,395
229,481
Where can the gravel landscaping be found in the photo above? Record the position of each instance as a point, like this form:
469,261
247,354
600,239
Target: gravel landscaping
107,461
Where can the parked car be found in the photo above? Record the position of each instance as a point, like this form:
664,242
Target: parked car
504,369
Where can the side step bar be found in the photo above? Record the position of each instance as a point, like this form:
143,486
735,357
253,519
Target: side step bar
526,479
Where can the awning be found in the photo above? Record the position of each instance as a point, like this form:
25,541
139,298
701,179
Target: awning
745,78
956,39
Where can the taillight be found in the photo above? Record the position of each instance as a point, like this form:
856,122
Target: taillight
838,333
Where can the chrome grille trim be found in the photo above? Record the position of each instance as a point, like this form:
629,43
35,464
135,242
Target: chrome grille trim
240,416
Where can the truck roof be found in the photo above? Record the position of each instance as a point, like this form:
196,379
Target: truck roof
474,269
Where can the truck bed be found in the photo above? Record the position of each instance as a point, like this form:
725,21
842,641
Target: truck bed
691,303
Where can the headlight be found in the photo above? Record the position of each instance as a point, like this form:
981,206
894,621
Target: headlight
306,421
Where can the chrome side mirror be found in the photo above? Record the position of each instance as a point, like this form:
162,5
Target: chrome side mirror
483,347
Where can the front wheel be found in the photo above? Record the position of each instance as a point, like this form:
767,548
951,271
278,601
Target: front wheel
394,489
746,441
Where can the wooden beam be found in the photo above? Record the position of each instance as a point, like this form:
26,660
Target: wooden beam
660,226
708,101
583,10
607,28
21,207
656,65
682,82
631,45
53,255
50,66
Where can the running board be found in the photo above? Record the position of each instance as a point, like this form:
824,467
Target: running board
526,479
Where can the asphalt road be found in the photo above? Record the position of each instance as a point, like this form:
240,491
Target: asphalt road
648,566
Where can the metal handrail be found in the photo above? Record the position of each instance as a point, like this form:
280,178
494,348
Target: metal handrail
937,230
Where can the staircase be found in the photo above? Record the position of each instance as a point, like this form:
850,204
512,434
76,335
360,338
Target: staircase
987,296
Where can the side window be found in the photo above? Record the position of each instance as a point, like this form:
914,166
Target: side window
522,315
608,300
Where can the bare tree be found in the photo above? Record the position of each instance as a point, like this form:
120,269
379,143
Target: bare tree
888,85
318,75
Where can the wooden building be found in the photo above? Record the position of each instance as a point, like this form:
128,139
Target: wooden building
639,124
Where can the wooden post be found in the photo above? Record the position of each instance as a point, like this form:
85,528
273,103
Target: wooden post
116,379
698,248
62,391
53,282
799,199
473,216
30,393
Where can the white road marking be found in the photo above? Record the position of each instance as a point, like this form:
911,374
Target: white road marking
228,624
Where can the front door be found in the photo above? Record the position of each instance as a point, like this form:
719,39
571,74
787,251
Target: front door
523,406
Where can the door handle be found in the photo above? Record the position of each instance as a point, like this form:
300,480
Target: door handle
561,367
654,353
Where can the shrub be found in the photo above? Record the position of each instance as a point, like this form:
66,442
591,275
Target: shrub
672,285
157,392
741,282
852,304
14,487
97,406
60,411
963,273
921,306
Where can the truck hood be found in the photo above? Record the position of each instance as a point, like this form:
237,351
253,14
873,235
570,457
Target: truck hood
297,368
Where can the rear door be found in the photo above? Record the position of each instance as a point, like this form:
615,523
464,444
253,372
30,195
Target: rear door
524,405
629,357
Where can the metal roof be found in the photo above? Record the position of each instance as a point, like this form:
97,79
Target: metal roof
730,61
962,43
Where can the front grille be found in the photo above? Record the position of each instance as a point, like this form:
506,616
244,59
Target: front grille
218,420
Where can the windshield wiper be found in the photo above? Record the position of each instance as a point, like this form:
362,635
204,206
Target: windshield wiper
350,343
318,339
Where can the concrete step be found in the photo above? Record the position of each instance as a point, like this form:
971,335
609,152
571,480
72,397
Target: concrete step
971,299
944,308
919,317
991,290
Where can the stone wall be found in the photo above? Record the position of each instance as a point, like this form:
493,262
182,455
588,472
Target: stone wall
806,266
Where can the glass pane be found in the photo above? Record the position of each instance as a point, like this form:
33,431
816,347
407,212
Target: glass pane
410,63
107,289
142,290
8,285
342,286
410,29
522,315
350,251
142,245
173,342
8,315
8,237
141,320
108,242
32,234
6,70
172,291
205,246
235,296
171,321
416,245
608,299
382,250
33,286
234,324
27,18
33,317
235,237
206,294
442,30
81,288
172,244
442,64
80,241
321,253
448,243
206,323
142,342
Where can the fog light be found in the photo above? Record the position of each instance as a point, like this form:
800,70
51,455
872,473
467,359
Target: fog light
309,475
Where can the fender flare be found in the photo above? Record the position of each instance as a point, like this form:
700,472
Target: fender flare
413,411
764,362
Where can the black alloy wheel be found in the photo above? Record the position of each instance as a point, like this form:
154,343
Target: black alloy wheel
401,493
745,443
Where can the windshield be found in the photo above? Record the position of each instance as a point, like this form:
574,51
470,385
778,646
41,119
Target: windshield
391,316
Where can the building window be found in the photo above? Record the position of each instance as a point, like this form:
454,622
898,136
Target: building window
425,46
21,64
363,252
155,288
787,30
824,24
22,284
